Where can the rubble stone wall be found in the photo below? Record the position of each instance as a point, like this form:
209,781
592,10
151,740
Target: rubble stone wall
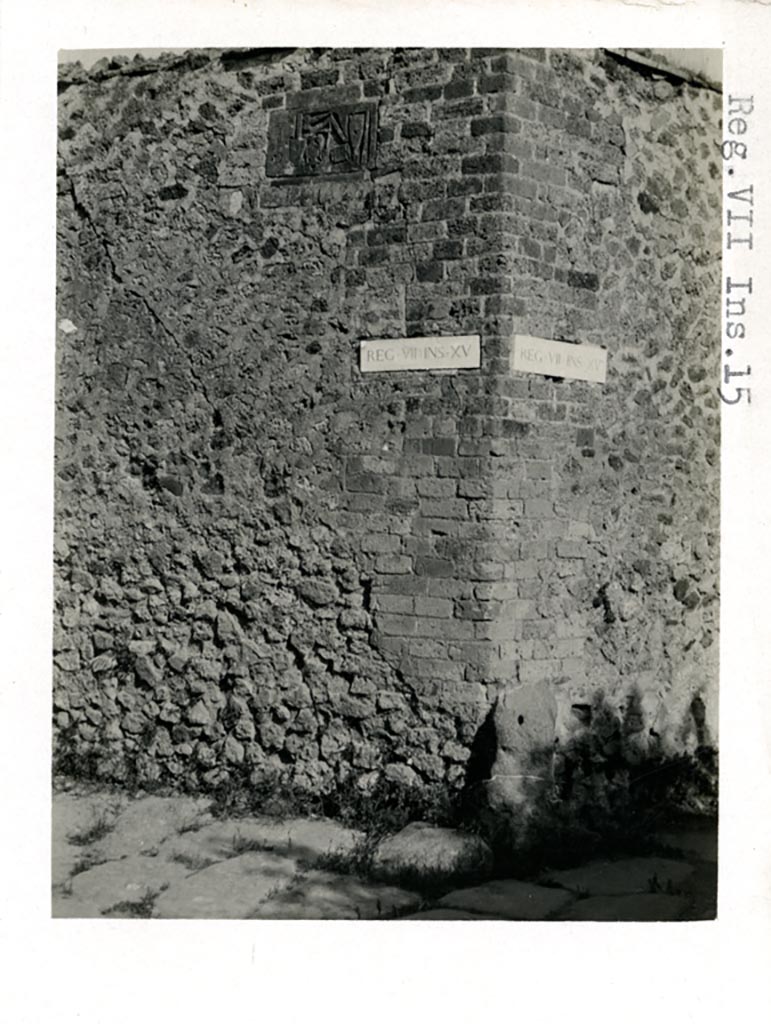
269,561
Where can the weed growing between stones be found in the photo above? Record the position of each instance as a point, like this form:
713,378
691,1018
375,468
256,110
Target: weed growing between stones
245,793
377,811
359,861
102,825
71,760
607,796
86,862
355,861
192,861
389,806
383,808
92,766
126,908
669,889
243,845
192,825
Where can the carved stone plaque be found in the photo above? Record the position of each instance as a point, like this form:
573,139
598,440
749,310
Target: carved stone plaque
559,359
324,141
445,353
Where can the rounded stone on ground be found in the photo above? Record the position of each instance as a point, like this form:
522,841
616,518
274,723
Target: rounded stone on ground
426,849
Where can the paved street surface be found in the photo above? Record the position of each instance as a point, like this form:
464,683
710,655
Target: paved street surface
168,857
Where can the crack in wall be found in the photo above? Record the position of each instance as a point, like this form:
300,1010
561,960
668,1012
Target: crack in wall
118,279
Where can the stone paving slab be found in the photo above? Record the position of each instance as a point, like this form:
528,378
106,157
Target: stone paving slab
618,877
194,855
322,895
79,817
70,906
631,907
701,891
125,881
699,843
145,823
233,888
171,848
64,859
446,914
509,899
299,838
74,815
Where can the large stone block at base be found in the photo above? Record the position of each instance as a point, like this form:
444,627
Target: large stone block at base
524,721
424,849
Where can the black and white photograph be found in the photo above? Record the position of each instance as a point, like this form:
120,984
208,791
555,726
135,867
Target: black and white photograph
387,484
385,538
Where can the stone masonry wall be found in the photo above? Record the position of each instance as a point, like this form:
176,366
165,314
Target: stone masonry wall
267,561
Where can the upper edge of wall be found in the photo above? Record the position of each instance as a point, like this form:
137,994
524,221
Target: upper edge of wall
73,72
669,64
656,63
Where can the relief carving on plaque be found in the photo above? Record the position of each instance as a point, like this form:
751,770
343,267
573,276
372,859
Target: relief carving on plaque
313,142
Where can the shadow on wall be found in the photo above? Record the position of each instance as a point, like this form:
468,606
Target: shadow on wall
605,790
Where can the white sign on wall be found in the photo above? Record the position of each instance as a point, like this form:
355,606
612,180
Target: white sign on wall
559,359
447,353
